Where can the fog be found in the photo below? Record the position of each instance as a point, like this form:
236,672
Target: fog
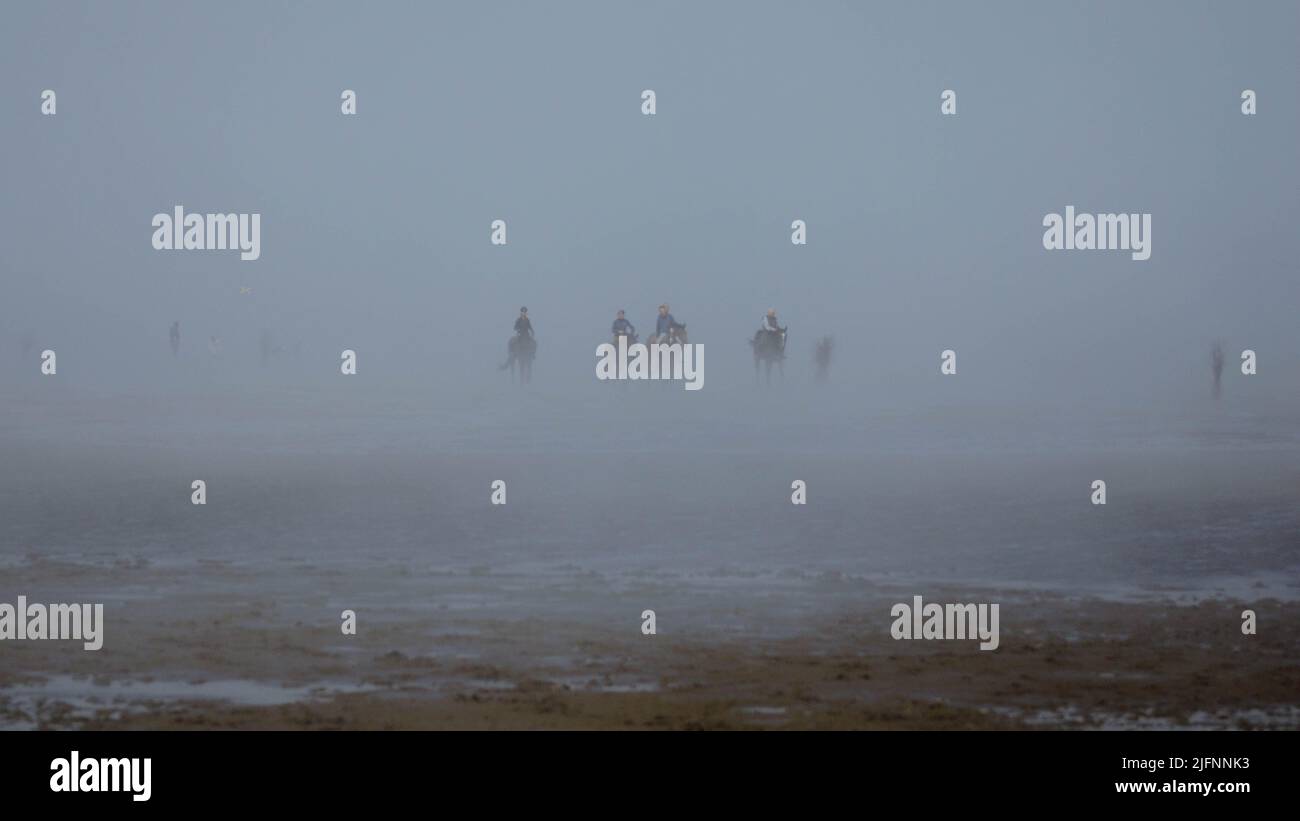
924,234
924,231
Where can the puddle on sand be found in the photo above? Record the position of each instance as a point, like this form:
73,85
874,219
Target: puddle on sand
1277,718
25,706
596,685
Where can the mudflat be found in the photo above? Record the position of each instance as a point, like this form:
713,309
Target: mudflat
243,659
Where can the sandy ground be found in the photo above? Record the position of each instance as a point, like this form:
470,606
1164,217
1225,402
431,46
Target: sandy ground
528,615
242,659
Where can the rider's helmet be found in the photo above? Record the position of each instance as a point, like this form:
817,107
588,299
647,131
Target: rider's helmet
523,310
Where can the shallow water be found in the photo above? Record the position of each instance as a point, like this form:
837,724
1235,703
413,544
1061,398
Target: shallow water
74,698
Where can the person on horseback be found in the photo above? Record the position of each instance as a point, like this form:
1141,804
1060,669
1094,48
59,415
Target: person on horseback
622,327
523,326
769,345
768,325
522,338
666,327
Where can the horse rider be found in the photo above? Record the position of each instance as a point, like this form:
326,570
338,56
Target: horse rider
518,344
768,323
665,325
523,327
622,327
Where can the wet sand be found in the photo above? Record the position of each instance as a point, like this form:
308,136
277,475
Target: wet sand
769,615
476,658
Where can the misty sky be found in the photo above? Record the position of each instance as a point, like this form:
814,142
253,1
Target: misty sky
924,231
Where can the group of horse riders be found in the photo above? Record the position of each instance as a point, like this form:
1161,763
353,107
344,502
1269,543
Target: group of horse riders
667,328
770,336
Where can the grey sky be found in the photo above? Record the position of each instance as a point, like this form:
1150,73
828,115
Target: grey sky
924,231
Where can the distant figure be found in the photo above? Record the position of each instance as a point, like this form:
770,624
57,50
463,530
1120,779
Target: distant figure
521,349
214,345
1216,366
667,329
622,327
825,346
769,345
523,325
175,334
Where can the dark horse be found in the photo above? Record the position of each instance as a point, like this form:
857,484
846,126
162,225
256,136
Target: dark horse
769,347
521,349
676,336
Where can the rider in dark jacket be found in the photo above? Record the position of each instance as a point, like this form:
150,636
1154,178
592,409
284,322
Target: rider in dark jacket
622,327
523,327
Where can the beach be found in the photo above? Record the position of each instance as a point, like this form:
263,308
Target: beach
768,615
